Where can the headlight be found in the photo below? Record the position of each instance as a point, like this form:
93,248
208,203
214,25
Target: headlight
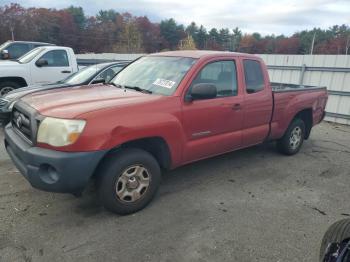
60,132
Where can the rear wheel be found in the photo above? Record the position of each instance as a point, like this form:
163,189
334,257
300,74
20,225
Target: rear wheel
293,139
8,86
128,180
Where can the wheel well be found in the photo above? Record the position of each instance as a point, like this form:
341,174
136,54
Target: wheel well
156,146
19,80
306,116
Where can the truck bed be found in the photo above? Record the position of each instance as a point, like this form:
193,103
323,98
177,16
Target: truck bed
281,87
289,99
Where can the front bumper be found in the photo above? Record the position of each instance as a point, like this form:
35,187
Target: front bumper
5,117
50,170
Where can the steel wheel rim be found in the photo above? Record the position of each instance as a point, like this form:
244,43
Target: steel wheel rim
295,137
5,90
132,184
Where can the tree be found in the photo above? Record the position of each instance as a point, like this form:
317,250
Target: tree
287,45
187,44
236,38
150,33
172,32
247,44
225,39
201,37
131,39
107,16
109,31
78,15
192,30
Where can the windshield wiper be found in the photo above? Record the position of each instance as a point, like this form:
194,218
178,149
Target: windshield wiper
139,89
136,88
113,84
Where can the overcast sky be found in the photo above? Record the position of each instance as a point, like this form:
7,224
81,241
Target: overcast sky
264,16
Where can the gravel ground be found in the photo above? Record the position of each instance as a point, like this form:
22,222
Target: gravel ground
250,205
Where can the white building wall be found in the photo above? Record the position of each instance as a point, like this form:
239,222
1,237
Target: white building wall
332,71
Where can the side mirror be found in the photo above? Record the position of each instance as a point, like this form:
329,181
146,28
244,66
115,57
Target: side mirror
98,81
5,54
41,62
203,91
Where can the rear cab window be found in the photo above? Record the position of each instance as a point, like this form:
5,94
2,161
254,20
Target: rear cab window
254,77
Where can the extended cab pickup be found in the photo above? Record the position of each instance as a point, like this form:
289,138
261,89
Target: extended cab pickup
160,112
42,65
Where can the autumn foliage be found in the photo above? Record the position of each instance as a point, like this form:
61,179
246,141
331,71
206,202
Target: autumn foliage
111,31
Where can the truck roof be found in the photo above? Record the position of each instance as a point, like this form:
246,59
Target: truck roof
201,54
53,47
30,42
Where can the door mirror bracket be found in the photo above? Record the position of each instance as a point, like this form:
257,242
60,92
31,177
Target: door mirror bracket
41,62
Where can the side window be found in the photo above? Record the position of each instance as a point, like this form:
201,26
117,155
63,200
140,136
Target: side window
56,58
17,50
222,74
108,74
254,78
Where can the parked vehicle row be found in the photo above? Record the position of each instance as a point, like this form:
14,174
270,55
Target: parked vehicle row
16,49
42,65
100,73
162,111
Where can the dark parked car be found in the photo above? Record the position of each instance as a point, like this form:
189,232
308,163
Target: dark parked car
99,73
335,245
16,49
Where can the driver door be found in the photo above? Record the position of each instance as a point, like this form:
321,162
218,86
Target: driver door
214,126
57,67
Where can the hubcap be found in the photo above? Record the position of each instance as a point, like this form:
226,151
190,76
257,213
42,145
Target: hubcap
132,184
295,137
5,90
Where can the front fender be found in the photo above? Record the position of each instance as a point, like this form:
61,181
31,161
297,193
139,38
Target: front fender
14,72
109,128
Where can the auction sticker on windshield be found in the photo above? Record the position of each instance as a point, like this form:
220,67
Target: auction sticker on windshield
164,83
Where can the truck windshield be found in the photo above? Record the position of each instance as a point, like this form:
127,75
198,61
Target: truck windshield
4,45
31,55
158,74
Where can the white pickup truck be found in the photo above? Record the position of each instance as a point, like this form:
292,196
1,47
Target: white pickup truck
42,65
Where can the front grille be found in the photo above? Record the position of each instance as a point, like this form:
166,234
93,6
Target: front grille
21,121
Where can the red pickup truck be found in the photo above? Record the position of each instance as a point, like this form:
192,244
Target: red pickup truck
162,111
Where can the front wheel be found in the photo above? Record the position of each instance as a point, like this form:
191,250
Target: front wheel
128,180
8,86
293,139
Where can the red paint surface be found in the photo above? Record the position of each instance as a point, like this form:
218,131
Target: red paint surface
116,116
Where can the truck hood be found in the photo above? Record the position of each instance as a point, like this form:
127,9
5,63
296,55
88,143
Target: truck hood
13,68
4,63
74,101
20,92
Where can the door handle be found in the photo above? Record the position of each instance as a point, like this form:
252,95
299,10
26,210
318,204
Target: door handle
66,72
237,107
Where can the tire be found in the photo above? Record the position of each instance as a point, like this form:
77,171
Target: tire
8,86
122,181
293,138
336,233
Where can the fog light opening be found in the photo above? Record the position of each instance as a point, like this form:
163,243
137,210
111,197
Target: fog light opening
48,174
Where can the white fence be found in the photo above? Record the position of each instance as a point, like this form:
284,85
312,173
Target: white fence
332,71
